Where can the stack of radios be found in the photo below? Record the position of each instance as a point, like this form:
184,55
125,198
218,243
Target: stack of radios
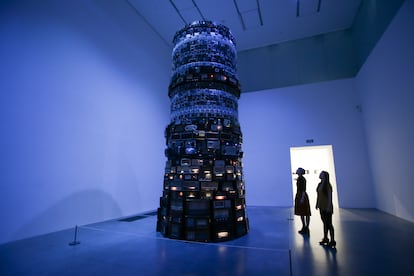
204,193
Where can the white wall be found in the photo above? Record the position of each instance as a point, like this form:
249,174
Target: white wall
83,106
274,120
385,84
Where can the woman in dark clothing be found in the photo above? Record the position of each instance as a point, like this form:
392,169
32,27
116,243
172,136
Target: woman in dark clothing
324,204
302,207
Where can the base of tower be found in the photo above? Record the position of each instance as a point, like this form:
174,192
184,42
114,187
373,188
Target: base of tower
202,220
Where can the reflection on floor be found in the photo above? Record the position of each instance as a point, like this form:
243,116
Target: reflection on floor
369,242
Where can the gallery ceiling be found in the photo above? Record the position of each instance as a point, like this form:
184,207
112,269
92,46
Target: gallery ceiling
254,23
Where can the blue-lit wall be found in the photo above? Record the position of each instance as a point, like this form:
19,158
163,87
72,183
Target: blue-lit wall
83,107
275,120
386,86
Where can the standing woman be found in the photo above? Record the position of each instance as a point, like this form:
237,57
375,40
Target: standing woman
324,203
302,207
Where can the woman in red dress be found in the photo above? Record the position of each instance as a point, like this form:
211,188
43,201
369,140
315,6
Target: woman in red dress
302,207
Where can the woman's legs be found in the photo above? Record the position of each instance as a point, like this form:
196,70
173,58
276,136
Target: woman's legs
307,220
330,226
324,218
303,230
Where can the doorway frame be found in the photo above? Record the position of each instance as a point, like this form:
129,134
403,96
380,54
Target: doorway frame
328,159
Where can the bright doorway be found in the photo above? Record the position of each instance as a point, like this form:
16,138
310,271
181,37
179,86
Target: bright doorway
313,159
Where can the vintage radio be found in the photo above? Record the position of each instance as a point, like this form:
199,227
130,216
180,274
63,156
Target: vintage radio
175,230
196,162
176,185
179,128
230,150
213,144
240,184
240,215
190,150
199,207
227,186
185,162
222,210
166,183
201,133
206,194
208,153
227,123
202,235
176,145
209,185
218,173
176,161
223,230
191,185
183,169
230,176
164,201
175,195
175,136
201,147
213,135
173,169
232,194
222,235
170,152
189,177
197,222
219,195
190,127
167,170
175,217
241,228
219,163
222,214
162,212
229,169
239,204
191,194
177,205
162,226
239,167
190,143
194,169
205,176
225,136
207,164
221,204
239,177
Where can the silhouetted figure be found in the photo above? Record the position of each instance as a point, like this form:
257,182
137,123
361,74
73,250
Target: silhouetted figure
324,204
302,207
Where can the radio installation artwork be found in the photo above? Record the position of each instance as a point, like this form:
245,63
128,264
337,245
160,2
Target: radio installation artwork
203,196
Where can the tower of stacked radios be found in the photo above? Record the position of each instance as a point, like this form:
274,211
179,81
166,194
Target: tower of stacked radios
204,192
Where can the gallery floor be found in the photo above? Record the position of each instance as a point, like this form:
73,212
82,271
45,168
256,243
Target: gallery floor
370,242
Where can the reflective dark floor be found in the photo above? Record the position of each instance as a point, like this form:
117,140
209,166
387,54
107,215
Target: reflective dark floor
369,242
